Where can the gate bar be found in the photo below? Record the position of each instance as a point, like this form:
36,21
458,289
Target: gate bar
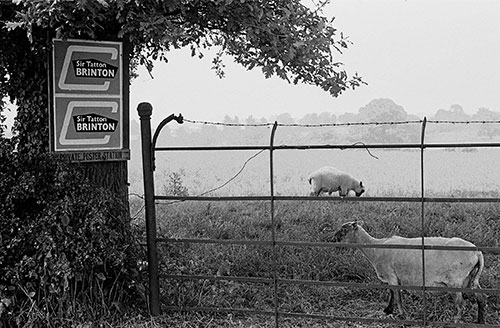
328,146
326,283
291,243
424,297
273,225
179,120
329,199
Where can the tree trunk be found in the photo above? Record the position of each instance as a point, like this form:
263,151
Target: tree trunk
112,176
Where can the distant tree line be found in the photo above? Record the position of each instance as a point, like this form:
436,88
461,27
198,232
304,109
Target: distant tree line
378,110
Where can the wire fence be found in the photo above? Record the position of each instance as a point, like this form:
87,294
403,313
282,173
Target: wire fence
150,148
319,125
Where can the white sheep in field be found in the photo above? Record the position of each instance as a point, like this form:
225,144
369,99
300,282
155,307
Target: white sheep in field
329,179
403,267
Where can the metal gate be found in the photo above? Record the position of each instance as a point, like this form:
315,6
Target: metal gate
149,150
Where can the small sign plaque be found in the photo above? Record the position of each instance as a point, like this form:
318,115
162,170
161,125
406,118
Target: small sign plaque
94,123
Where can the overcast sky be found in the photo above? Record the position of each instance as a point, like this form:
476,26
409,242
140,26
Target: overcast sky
423,54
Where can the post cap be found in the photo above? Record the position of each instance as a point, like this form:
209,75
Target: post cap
144,109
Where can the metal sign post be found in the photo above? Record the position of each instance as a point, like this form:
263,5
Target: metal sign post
89,115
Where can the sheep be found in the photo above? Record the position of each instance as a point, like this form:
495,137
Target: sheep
403,267
329,179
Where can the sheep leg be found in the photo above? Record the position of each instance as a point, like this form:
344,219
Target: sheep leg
390,305
399,303
481,304
459,305
315,192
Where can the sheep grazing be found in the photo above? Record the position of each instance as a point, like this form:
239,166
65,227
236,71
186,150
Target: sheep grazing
329,179
403,267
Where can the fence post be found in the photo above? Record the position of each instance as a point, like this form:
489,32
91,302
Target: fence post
422,192
273,225
145,110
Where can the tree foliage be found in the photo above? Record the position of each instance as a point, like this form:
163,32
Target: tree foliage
489,130
56,224
385,110
282,37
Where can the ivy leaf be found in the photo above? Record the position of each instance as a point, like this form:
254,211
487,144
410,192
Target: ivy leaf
13,25
65,220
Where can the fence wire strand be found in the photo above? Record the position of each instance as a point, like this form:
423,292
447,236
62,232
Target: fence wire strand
319,125
225,183
309,125
234,176
464,122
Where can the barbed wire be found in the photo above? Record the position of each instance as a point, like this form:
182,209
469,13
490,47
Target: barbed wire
310,125
228,124
319,125
464,122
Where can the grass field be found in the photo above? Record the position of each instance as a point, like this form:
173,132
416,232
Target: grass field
457,173
310,221
461,172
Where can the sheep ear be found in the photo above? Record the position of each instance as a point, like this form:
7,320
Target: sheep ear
361,183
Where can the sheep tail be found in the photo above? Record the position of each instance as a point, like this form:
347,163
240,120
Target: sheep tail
476,272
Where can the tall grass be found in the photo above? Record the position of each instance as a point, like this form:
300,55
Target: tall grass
313,221
394,173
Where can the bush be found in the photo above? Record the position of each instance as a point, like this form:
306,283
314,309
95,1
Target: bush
175,185
64,256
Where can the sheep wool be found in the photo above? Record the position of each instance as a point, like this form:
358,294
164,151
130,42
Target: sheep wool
329,179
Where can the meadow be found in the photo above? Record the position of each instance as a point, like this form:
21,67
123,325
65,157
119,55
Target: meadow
460,172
